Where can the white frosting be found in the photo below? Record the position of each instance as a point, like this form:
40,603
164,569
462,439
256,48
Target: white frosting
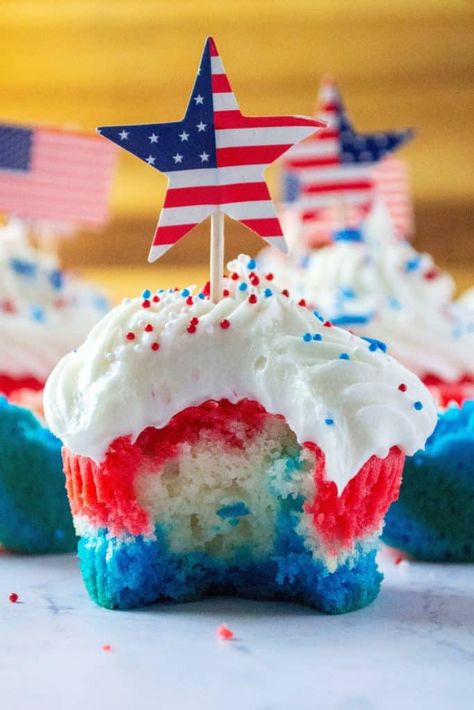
383,288
44,313
352,409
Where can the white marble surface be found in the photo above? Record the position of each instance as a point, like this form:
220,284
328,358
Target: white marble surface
412,648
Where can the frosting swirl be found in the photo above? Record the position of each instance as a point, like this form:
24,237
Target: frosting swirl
44,312
154,356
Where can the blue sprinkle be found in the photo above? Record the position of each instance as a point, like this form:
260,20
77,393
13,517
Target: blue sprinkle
375,344
161,290
251,264
418,405
347,235
329,421
318,316
56,279
185,292
233,510
307,337
146,293
23,267
305,261
37,313
243,286
351,319
317,336
394,303
413,264
344,356
101,303
268,292
201,295
347,292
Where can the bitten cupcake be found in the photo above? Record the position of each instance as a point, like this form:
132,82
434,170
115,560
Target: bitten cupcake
243,447
44,312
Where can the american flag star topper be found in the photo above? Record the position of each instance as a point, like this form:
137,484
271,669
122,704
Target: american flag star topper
335,168
214,159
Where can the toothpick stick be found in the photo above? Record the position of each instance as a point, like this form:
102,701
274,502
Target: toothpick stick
217,255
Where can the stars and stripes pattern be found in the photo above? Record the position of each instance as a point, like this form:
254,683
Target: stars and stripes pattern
55,176
333,171
214,158
393,186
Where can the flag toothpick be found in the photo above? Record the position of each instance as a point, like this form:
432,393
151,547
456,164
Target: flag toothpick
217,255
214,159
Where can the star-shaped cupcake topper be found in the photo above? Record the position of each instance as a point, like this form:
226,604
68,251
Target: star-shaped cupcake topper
214,159
336,166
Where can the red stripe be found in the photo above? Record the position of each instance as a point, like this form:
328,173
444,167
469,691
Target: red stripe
311,162
249,155
330,107
264,227
216,194
234,119
212,48
172,234
331,187
220,84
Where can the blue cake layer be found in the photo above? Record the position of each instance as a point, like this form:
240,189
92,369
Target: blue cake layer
433,518
129,573
34,511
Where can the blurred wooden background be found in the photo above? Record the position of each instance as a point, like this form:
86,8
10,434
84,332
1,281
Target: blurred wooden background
398,62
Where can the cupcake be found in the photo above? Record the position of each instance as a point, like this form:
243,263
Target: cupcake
44,312
34,512
384,290
244,447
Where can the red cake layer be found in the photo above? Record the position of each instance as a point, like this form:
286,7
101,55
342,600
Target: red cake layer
8,384
362,505
105,492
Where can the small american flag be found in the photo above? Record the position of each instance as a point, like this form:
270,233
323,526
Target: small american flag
336,169
214,158
55,176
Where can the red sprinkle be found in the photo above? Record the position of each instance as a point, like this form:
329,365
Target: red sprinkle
402,388
194,320
106,647
302,302
285,292
254,280
155,346
156,299
327,323
130,336
189,301
225,324
148,327
252,298
234,276
399,558
226,292
431,274
191,328
13,597
224,633
269,277
146,303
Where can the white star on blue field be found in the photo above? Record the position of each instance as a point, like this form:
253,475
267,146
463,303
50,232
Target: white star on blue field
180,145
